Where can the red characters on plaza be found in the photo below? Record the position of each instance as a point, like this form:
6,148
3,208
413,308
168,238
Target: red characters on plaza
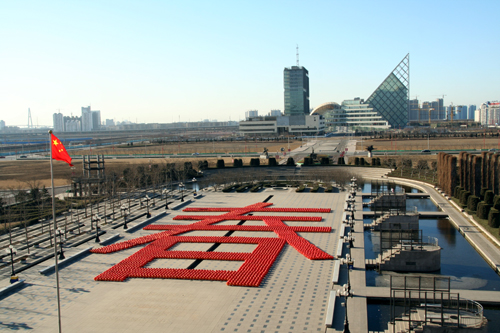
255,264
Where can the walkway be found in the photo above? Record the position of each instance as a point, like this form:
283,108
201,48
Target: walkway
489,249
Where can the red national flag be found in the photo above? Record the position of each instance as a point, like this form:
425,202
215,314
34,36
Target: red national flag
58,151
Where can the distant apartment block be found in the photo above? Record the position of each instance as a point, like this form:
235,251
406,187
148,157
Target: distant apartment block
489,113
58,122
275,113
72,124
251,113
86,119
2,125
471,112
110,122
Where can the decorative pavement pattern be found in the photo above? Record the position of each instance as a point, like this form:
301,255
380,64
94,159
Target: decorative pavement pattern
292,297
255,264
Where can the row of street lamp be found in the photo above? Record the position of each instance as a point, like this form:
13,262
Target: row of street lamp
345,291
95,218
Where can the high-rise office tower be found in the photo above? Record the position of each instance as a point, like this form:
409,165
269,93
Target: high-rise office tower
296,84
96,120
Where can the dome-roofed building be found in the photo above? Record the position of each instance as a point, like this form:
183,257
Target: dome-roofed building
323,108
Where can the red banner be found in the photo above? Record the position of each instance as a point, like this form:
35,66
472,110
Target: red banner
58,151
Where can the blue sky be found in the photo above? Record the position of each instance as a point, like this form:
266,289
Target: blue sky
156,61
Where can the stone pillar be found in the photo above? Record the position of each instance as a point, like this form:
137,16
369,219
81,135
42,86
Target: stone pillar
491,172
497,174
484,169
440,170
466,173
453,177
461,170
477,175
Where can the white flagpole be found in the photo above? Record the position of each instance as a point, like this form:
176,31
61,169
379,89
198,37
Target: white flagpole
55,235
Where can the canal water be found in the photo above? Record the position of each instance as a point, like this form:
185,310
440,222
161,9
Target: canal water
459,260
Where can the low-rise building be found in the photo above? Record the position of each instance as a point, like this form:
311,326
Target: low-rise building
272,125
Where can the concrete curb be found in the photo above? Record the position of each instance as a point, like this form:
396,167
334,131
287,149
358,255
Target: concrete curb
9,289
340,247
182,204
65,262
110,239
146,222
331,309
336,272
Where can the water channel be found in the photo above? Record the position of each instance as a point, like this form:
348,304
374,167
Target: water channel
459,260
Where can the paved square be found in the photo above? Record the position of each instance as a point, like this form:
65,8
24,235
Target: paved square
292,297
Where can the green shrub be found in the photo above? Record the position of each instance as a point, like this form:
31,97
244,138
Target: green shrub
325,161
483,210
472,202
256,188
255,162
494,218
483,191
242,188
456,193
374,161
341,161
301,188
356,161
464,197
272,161
362,161
488,197
228,188
220,164
307,161
378,161
315,188
290,162
496,202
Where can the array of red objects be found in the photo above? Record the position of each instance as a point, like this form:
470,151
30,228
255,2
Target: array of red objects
255,264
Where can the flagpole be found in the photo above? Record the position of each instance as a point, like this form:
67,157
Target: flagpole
55,234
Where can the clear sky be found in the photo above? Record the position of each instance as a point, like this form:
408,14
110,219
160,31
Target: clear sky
156,61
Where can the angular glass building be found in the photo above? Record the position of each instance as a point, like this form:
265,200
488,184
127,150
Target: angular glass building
391,98
296,84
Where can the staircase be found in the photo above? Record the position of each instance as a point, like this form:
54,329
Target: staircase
379,220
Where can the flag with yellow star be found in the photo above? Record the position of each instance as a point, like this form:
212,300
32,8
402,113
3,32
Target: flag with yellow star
58,151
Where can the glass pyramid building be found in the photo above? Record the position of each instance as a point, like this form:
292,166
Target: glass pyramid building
390,99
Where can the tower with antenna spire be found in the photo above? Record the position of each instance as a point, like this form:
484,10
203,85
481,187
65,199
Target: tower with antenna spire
296,86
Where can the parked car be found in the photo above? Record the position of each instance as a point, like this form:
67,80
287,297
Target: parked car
23,156
426,151
492,150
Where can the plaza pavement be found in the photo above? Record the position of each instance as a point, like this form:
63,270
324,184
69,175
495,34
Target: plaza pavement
293,297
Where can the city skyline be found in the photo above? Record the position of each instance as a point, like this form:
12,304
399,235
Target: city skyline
165,62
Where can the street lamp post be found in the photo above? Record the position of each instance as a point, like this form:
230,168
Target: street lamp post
12,250
124,213
146,198
96,219
165,191
181,187
60,233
